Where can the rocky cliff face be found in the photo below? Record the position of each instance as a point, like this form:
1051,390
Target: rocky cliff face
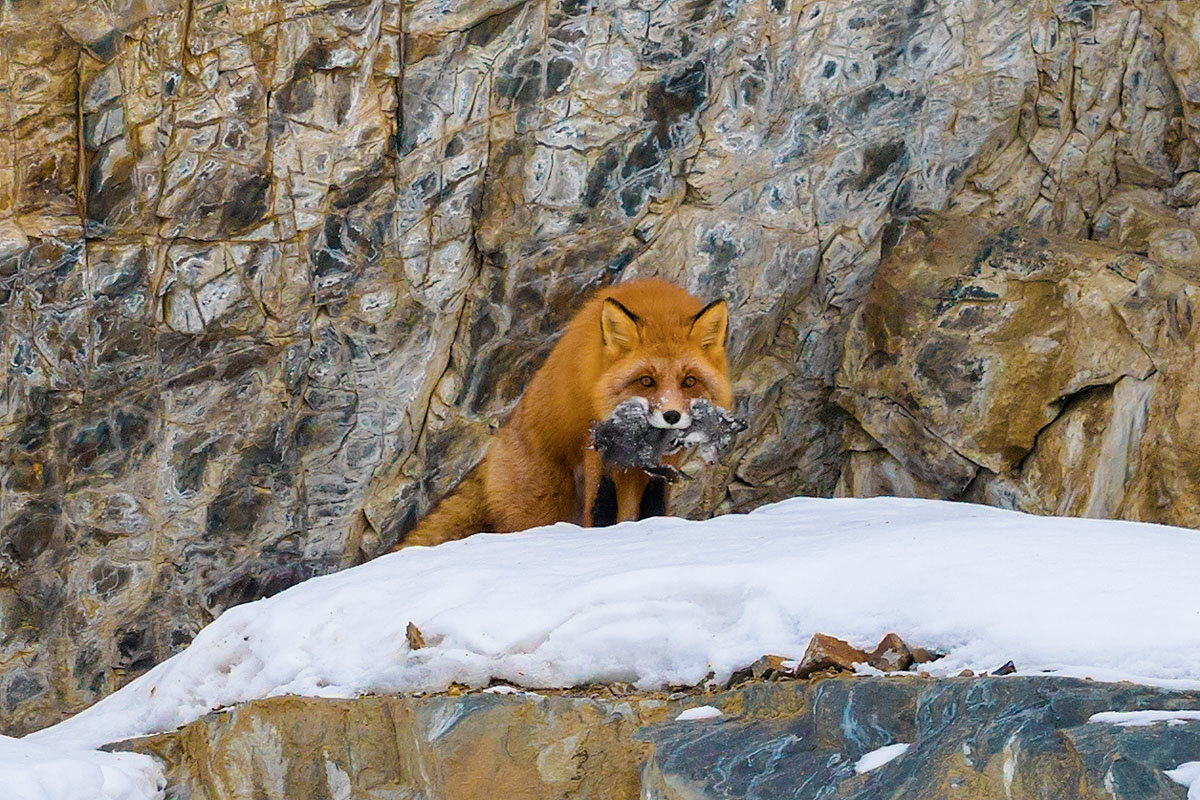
1021,738
270,272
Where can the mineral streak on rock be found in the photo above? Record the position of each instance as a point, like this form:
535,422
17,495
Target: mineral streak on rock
269,275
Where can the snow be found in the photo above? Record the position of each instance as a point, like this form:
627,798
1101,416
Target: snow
1187,774
665,602
32,771
699,712
1128,719
877,758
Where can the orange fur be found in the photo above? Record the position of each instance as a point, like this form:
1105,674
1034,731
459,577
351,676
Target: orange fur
539,469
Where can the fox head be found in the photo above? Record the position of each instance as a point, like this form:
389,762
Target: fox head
666,357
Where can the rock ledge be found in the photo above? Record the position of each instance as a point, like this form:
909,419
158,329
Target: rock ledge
1016,737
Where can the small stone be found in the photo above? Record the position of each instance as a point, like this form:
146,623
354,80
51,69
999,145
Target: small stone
1008,668
765,669
891,655
922,655
966,673
1186,192
827,652
415,640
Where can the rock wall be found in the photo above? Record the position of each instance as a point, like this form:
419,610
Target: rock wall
1021,738
271,271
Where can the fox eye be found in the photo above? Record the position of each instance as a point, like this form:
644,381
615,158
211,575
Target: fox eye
689,382
646,381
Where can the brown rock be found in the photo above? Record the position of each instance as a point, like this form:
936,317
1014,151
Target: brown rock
966,673
1083,460
413,634
499,746
923,656
891,654
1051,312
826,652
1007,668
765,668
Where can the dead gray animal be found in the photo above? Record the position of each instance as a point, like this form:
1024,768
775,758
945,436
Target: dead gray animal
626,439
712,430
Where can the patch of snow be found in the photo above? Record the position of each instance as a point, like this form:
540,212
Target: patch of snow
1187,774
503,690
700,712
877,758
664,602
33,771
1128,719
862,668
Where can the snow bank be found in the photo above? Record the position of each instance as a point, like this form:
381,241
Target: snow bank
1137,719
877,758
699,712
31,771
666,601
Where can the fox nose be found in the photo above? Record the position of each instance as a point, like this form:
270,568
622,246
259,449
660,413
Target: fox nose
671,417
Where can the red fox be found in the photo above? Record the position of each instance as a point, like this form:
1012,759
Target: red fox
645,339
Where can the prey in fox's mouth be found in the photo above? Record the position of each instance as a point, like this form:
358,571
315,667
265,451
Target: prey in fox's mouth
631,437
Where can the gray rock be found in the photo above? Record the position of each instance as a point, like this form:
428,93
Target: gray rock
970,737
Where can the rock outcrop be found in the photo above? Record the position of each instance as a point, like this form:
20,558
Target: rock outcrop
270,273
1018,737
1025,370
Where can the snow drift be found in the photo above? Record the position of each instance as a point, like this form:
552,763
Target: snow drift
671,602
35,771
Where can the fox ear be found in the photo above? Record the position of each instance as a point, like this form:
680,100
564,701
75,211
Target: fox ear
618,327
710,325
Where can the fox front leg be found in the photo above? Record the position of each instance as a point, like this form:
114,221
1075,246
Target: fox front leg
593,470
630,485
